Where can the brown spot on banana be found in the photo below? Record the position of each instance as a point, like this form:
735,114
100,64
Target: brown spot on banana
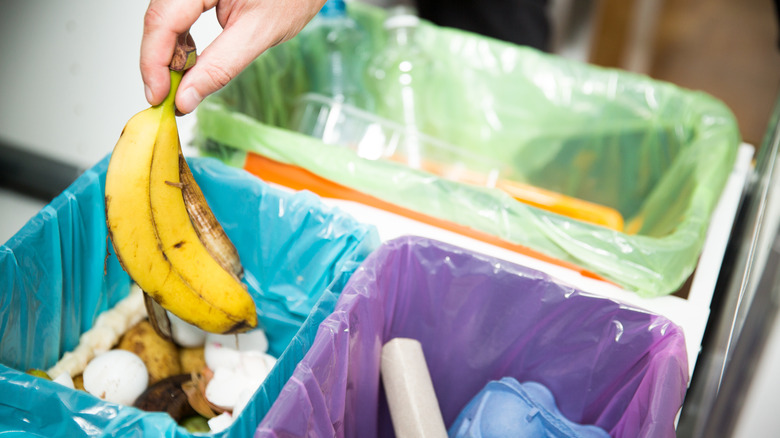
110,236
108,254
240,327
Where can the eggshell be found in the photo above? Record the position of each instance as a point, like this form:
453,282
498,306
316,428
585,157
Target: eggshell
186,334
117,376
64,379
217,355
253,340
243,399
255,367
224,387
220,422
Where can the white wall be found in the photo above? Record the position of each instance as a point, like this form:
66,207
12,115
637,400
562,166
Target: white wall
69,75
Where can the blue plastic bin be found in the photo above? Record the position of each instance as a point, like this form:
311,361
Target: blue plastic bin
58,273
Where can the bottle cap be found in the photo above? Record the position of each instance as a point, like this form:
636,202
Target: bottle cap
333,8
403,17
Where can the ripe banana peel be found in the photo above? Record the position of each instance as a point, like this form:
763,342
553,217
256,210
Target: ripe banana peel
163,232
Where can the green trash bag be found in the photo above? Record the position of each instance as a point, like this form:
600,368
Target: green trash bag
658,154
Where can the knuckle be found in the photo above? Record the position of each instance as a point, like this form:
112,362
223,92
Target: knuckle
219,75
146,65
153,18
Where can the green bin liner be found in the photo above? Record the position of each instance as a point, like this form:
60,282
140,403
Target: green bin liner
59,272
657,153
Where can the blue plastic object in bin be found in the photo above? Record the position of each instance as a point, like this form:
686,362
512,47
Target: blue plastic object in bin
58,273
507,408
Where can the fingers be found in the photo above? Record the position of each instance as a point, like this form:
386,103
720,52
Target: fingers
230,52
250,28
163,22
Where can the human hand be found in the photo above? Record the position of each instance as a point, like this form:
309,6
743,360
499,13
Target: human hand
250,27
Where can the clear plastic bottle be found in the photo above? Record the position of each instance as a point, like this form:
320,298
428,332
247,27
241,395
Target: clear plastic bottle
335,54
396,77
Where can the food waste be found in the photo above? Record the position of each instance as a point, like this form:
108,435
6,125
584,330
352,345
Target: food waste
202,380
163,231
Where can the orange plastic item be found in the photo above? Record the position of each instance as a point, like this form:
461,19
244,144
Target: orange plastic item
545,199
297,178
566,205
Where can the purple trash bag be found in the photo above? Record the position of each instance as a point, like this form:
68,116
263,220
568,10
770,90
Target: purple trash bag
479,319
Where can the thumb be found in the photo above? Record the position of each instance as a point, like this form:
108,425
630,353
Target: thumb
228,55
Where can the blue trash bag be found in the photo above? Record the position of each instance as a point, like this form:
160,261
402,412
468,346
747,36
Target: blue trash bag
58,273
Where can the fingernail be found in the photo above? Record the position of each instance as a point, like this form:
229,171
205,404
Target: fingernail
190,98
148,92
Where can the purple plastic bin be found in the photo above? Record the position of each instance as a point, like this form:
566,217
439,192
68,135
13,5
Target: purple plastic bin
480,319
